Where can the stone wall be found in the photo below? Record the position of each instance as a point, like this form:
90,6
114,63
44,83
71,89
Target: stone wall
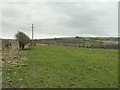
6,43
9,44
14,45
0,44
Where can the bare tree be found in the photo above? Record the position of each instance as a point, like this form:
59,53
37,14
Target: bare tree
23,39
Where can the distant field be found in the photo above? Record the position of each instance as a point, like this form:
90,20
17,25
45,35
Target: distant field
84,42
61,67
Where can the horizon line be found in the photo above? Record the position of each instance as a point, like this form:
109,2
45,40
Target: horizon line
71,37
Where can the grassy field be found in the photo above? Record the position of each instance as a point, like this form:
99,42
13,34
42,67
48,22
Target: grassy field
61,67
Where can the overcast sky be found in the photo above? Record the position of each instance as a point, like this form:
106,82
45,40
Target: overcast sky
60,19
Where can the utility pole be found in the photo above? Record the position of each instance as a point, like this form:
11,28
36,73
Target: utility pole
32,34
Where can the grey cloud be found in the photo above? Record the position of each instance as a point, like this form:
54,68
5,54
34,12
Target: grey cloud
90,20
61,19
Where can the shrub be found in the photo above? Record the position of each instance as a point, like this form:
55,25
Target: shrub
23,39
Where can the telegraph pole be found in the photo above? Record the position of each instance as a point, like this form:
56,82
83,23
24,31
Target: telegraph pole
32,34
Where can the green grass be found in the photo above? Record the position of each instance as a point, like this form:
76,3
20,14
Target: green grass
65,67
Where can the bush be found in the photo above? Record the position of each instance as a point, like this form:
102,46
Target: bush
23,39
77,37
